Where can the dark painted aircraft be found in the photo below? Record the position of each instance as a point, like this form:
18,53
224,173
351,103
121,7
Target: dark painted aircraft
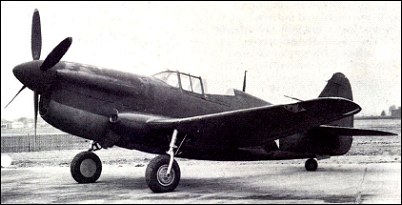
171,115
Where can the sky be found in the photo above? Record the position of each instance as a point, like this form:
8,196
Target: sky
288,48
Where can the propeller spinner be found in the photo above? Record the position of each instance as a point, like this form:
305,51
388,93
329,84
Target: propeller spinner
31,74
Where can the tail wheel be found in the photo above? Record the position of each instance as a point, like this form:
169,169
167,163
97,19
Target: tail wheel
156,175
311,164
86,167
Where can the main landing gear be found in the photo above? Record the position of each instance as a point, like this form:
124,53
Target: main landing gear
157,176
311,164
162,173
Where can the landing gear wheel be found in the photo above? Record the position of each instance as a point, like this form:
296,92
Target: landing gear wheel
157,177
311,164
86,167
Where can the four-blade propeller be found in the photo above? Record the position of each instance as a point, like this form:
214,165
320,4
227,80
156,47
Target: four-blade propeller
51,60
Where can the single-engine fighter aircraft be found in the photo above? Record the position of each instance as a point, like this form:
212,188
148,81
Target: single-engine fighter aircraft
170,114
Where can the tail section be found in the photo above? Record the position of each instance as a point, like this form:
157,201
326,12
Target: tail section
319,141
339,86
334,138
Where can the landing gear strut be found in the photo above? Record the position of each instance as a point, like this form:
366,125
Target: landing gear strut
163,172
311,164
94,147
86,166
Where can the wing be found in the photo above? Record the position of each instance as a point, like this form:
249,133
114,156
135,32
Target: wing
255,126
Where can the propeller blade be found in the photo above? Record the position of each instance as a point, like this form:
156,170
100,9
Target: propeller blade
57,53
23,87
36,106
36,36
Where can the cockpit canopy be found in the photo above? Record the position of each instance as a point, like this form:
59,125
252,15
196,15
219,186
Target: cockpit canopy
181,80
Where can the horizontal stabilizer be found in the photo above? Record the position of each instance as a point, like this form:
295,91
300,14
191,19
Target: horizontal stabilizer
347,131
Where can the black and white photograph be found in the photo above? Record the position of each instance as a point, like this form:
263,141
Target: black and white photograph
200,102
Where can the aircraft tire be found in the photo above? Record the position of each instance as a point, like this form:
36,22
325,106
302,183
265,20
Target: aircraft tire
86,167
311,164
157,179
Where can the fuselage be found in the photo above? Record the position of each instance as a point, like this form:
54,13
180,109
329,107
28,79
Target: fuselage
81,99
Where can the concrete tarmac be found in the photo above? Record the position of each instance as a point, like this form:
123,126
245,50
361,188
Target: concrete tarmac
212,182
369,173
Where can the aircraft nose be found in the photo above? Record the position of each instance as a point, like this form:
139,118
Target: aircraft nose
22,71
30,75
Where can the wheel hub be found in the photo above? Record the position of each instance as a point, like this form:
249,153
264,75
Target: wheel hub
164,178
88,167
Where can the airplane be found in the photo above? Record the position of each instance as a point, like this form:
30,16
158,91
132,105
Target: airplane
171,115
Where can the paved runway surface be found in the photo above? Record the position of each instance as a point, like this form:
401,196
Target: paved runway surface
369,173
212,182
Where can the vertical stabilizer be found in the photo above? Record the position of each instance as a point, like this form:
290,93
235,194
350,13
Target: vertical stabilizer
339,86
